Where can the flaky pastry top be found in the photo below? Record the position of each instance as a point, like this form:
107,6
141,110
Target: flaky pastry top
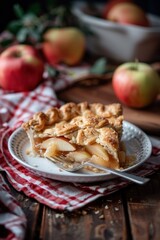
72,116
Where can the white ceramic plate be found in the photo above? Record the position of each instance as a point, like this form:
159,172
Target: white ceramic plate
136,142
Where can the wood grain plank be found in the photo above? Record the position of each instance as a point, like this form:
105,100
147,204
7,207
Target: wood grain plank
31,209
148,118
144,209
102,219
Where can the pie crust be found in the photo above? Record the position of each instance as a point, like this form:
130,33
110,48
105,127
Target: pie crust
79,131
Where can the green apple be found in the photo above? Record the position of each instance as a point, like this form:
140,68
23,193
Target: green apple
136,84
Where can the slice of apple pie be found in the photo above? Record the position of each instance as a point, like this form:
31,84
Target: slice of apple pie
79,132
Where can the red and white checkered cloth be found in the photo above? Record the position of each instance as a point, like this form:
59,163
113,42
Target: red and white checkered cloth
12,218
17,107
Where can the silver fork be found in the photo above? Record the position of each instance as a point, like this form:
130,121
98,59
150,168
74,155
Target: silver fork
70,166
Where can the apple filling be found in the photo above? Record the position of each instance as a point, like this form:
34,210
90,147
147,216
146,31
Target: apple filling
94,153
79,132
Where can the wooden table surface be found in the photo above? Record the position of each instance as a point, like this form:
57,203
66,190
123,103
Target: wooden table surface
132,213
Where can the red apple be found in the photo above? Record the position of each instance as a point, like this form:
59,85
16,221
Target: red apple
21,68
127,13
65,45
110,4
136,84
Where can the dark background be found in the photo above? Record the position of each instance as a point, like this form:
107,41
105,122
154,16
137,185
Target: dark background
7,13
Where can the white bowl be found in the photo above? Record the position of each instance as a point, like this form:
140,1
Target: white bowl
120,42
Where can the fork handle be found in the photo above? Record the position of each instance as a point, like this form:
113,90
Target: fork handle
126,175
